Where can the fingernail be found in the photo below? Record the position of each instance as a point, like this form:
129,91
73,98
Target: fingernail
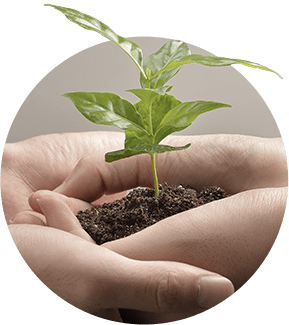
213,290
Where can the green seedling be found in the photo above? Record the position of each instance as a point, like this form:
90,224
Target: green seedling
157,113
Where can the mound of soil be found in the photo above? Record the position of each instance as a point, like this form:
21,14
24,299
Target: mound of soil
140,209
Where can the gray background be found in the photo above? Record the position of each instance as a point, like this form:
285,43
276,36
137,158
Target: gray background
107,68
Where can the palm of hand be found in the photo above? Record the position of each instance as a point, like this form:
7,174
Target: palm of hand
43,163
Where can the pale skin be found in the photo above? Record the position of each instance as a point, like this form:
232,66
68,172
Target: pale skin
230,237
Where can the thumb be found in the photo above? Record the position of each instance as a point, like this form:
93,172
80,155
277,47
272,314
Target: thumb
94,278
165,287
92,177
58,213
152,288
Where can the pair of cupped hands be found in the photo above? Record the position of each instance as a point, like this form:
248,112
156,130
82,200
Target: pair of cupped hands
176,268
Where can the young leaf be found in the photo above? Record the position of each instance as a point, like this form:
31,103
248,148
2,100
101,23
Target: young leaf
153,106
148,94
107,109
136,138
91,23
183,115
211,61
157,114
149,104
142,149
169,52
214,61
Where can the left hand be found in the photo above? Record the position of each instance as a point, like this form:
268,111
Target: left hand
43,163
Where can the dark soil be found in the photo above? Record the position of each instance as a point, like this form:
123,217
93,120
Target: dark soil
140,209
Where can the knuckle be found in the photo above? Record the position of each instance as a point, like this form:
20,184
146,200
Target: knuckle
168,292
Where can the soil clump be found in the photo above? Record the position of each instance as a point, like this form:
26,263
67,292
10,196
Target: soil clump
141,209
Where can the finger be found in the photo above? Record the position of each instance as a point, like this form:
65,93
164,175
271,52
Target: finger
159,287
210,160
57,213
93,177
177,288
28,217
116,282
92,277
231,237
75,205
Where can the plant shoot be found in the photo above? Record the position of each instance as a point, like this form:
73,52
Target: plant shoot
157,114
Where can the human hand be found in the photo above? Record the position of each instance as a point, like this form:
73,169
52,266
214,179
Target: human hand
25,169
44,162
235,162
248,167
100,281
236,233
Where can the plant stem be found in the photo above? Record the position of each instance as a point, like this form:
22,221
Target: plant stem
155,176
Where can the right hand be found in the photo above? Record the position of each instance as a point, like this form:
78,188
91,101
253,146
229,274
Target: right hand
100,281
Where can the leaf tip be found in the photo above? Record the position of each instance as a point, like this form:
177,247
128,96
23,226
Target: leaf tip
279,75
112,156
109,157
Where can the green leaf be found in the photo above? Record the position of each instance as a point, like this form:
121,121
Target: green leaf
147,94
153,106
214,61
142,149
107,109
182,116
158,61
161,106
145,105
211,61
91,23
157,114
136,138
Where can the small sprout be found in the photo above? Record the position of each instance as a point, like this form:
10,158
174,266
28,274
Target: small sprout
157,114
